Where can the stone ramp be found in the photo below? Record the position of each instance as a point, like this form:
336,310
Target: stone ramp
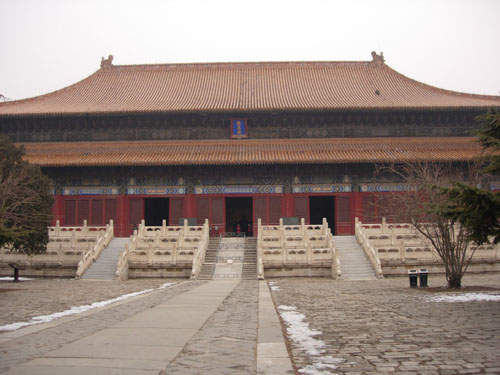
229,262
142,344
354,264
105,267
230,258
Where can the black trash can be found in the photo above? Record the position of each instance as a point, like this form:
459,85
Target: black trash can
413,276
423,275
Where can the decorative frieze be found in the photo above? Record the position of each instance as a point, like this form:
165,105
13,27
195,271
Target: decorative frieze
103,190
156,181
324,188
257,189
379,188
262,125
156,190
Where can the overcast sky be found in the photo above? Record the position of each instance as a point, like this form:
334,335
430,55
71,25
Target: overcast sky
47,45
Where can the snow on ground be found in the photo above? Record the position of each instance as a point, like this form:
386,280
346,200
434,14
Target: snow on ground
166,285
76,310
465,297
273,286
299,332
11,278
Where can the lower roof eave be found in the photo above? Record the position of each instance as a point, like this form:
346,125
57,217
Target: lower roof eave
266,163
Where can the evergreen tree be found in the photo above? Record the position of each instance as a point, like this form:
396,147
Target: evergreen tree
479,209
25,201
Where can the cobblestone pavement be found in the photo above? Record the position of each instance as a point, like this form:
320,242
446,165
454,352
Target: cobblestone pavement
24,300
227,342
384,327
34,345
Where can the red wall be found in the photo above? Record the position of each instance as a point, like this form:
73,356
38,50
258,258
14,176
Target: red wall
128,210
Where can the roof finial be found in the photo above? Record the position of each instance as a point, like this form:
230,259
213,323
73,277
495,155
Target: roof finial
108,63
379,59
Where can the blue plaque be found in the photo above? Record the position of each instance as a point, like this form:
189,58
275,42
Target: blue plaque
239,128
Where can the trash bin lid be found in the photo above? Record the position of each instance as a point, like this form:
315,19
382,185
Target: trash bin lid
412,271
423,270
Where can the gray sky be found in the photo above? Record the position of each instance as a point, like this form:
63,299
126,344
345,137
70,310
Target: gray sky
50,44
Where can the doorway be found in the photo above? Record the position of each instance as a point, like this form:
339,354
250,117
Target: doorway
320,207
239,214
155,211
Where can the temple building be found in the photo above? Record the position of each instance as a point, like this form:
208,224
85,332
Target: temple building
234,142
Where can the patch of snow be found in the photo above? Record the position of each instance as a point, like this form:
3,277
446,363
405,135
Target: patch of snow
11,278
273,286
166,285
298,330
76,310
465,297
287,308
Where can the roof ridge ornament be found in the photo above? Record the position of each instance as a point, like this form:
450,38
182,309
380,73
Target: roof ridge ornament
378,59
107,63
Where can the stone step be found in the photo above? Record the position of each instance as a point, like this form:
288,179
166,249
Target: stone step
208,266
105,266
249,271
354,264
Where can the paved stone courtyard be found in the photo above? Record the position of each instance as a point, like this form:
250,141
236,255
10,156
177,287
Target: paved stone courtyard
26,299
384,327
367,327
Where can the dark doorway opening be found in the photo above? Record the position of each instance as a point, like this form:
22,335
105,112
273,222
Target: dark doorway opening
155,211
239,215
320,207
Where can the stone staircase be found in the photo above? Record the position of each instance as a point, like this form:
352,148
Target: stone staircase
354,264
105,267
250,259
208,267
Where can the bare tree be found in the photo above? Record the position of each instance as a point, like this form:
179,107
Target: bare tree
424,202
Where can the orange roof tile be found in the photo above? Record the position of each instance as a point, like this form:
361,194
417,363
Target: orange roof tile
216,87
248,152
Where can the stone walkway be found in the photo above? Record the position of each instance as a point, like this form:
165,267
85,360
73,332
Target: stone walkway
36,341
227,342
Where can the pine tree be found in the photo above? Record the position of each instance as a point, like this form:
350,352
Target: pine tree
25,201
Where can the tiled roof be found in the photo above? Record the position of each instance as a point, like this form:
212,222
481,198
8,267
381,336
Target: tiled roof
248,152
233,87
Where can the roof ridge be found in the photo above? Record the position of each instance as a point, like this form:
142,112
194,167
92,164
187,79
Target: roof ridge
236,65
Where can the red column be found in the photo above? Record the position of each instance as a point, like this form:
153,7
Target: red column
57,209
121,217
288,204
190,207
356,205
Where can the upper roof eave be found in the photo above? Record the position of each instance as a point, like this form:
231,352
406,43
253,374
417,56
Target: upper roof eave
250,111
